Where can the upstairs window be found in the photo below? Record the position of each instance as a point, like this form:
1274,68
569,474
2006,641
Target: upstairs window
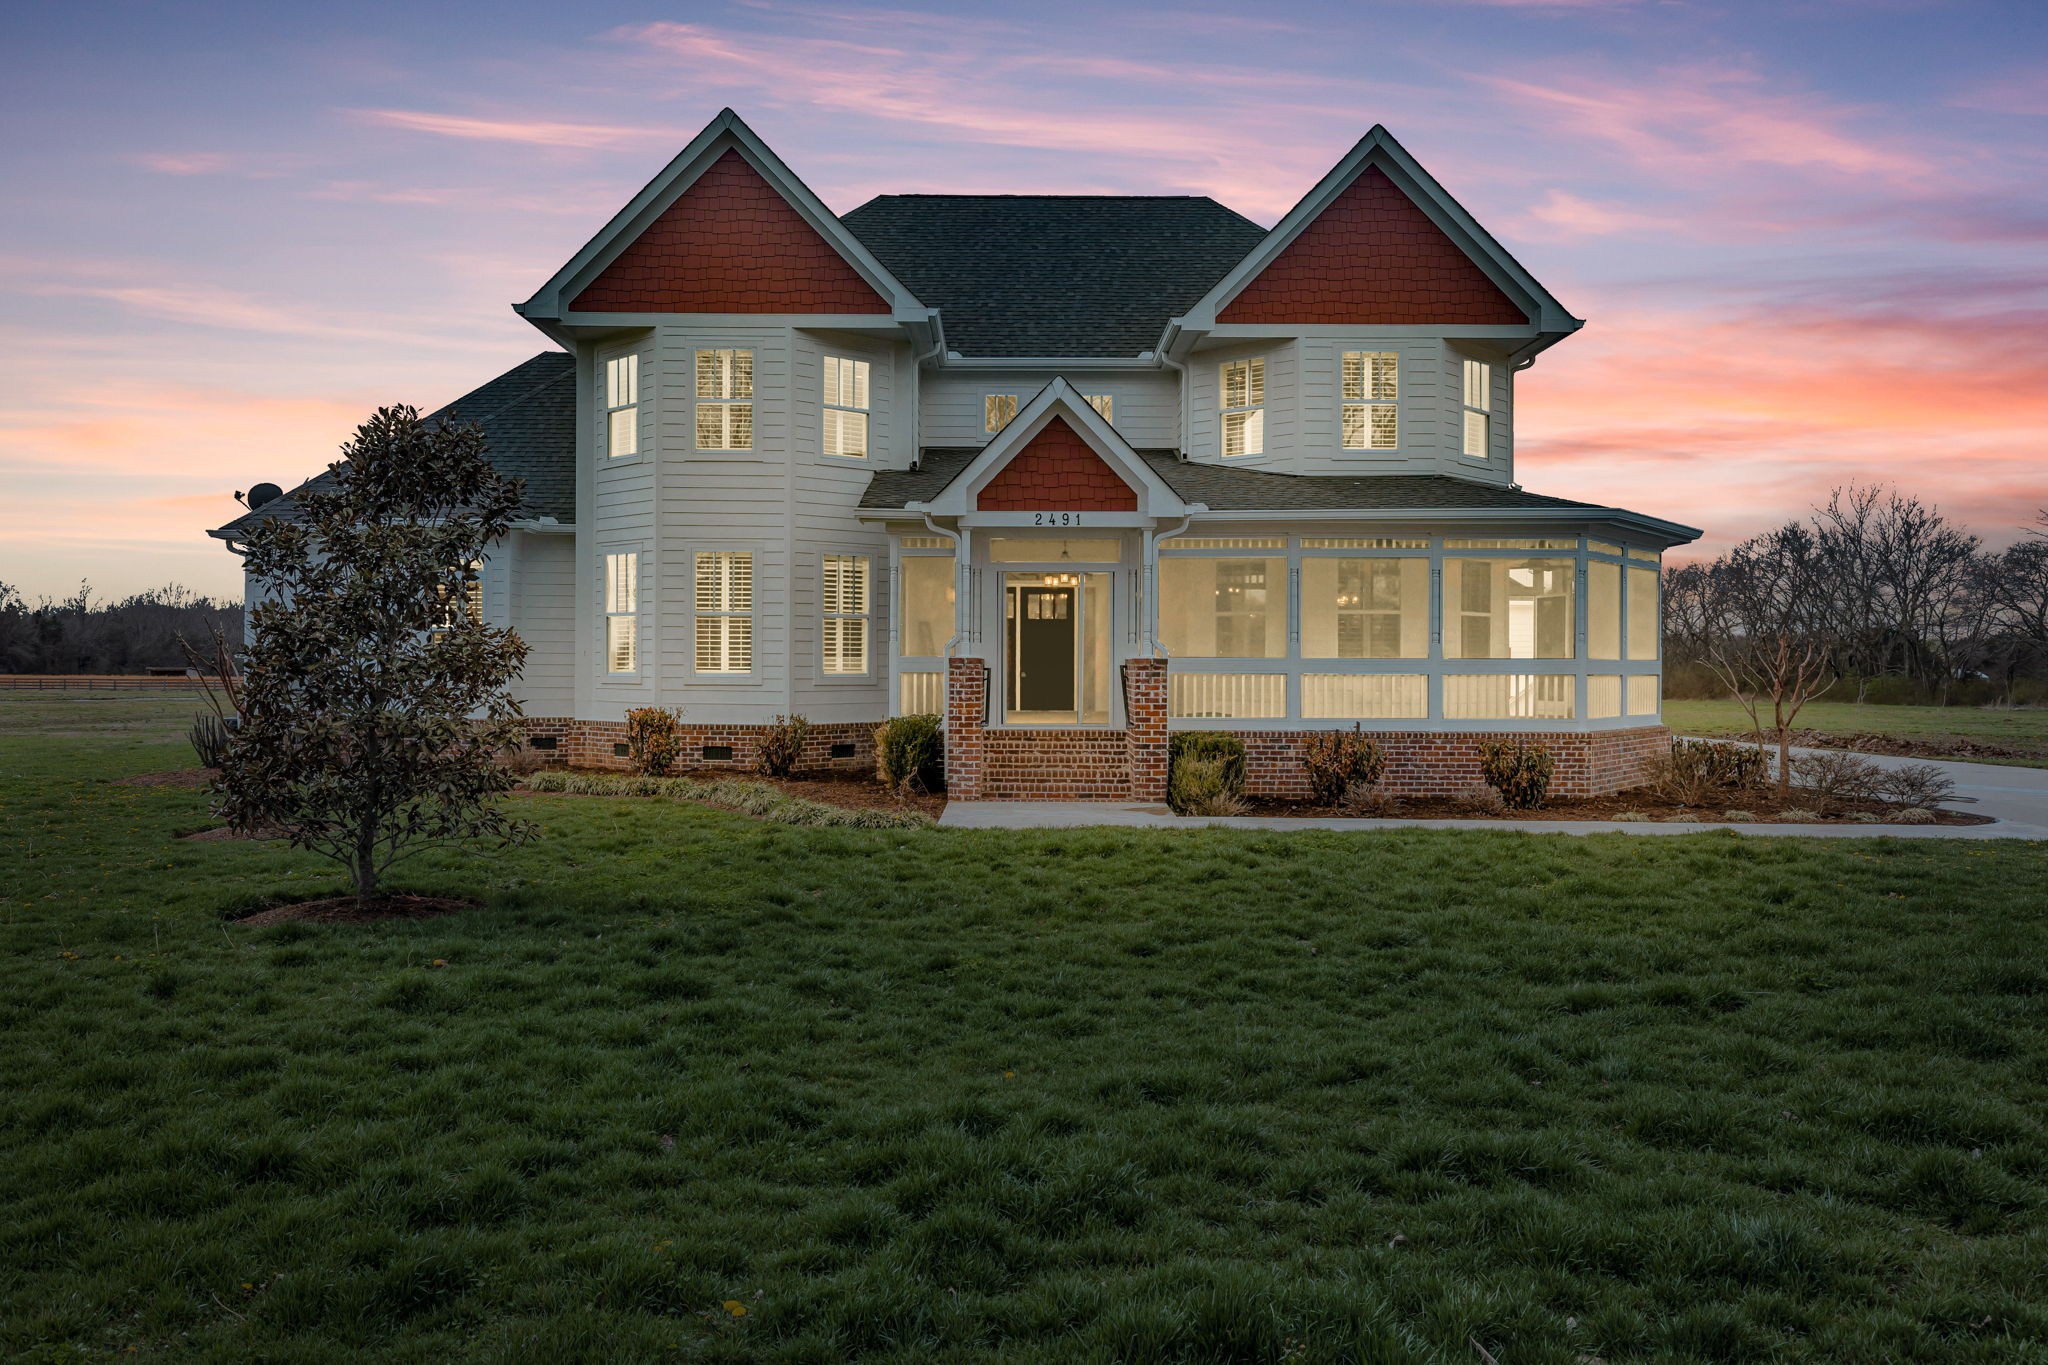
1478,408
622,406
460,601
621,613
725,612
846,407
725,400
1105,404
1372,390
998,410
845,593
1241,397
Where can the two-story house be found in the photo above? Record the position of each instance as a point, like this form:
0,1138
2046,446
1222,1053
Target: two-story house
1072,471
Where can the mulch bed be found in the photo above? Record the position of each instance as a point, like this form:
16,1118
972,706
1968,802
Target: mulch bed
1765,806
179,777
1902,746
348,910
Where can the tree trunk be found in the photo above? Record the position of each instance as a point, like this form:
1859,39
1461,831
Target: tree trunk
366,865
1784,763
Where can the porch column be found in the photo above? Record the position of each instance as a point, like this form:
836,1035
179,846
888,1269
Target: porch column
1145,727
966,722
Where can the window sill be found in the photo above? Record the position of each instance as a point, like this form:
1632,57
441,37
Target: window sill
725,679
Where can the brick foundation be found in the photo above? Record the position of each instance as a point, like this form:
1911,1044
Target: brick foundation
1439,763
590,744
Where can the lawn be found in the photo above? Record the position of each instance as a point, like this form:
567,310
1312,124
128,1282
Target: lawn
2024,728
699,1088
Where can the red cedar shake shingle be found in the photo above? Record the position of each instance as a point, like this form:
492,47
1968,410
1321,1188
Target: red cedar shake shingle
1372,257
1057,469
730,244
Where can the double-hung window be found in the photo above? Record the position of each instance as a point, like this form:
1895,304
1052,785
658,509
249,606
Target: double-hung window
998,410
846,407
725,400
1241,399
725,611
1105,404
622,613
845,594
1372,390
622,406
1478,407
460,601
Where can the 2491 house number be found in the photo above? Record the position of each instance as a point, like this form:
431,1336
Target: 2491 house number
1055,518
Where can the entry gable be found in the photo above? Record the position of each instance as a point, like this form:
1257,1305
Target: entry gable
1056,469
1057,455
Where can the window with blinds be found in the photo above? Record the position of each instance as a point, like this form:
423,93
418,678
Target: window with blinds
845,596
998,410
1241,401
622,406
1478,407
1105,404
846,407
725,394
461,600
621,613
725,611
1372,389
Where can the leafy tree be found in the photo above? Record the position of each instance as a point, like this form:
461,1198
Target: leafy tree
372,704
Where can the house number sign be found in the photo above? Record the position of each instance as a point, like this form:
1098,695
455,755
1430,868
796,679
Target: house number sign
1055,518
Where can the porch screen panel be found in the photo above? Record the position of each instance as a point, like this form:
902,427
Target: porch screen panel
1643,693
1364,608
1227,696
1223,608
1509,696
1508,608
1364,696
921,694
926,582
1642,614
1603,696
1603,610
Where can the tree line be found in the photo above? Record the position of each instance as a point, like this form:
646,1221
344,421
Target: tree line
130,635
1878,595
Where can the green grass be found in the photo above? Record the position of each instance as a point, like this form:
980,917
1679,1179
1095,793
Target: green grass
1046,1096
2020,727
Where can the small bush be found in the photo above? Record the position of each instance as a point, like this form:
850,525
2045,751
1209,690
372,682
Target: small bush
782,747
1335,761
1518,770
1481,801
1798,815
1214,770
1837,776
908,753
1739,817
1695,770
1632,817
1920,785
1912,815
654,739
1371,802
521,761
209,736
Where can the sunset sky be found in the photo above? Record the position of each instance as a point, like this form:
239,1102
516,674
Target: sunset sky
1810,239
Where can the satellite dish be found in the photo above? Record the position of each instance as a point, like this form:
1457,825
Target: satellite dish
262,493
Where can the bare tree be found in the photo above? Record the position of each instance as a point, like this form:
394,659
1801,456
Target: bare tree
1775,656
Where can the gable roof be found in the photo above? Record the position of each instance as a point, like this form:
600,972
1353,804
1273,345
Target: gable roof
1054,275
528,415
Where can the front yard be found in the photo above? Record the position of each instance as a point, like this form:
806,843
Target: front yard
699,1087
1983,734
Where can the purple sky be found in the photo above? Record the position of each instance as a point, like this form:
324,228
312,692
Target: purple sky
1810,239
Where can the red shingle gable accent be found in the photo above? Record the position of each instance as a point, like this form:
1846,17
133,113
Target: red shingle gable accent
1057,469
1372,256
730,244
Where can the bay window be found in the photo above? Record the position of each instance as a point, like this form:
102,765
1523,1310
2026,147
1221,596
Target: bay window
1478,408
1241,401
725,400
1372,385
1508,608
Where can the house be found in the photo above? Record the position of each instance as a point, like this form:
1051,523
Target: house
1074,472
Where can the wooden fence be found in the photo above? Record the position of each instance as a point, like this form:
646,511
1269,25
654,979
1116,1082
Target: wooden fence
96,682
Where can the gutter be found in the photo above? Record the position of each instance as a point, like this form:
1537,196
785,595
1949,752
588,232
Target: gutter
1673,531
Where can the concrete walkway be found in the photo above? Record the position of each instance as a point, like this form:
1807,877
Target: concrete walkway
2017,798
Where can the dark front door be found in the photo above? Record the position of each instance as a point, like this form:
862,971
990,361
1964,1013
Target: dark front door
1042,644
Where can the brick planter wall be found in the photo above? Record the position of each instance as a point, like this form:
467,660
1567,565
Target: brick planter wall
589,744
1440,763
1145,734
966,727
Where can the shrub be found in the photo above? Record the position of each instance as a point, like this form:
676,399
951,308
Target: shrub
1695,770
1837,776
1913,815
1481,801
1518,770
1914,785
1189,773
654,739
1798,815
209,736
1739,817
521,761
908,753
1371,801
782,747
1336,761
1632,817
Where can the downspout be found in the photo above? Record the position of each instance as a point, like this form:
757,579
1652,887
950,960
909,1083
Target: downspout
959,571
1152,539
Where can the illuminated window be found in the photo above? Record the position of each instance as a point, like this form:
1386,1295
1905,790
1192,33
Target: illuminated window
998,410
925,583
725,612
462,600
1478,407
1603,610
1217,608
846,407
1508,608
725,394
1364,608
1642,614
621,613
622,406
1372,386
845,595
1105,404
1241,399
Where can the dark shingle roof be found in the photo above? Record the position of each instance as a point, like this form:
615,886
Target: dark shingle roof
1226,489
1054,274
528,415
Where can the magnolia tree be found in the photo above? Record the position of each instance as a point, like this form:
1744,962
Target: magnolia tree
372,703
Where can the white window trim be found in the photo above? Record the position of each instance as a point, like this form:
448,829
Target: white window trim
606,615
866,675
1224,412
1468,409
827,405
731,401
1368,402
752,673
607,405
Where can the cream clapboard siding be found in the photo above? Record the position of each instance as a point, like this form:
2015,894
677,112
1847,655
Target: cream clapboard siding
538,576
1283,406
1419,401
1145,404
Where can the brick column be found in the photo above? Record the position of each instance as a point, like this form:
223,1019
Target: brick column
1145,727
966,722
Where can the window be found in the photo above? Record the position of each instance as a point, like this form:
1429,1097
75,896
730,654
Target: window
725,393
1105,404
998,410
1364,608
845,597
622,406
1241,396
926,585
459,602
1603,610
846,407
1642,614
1508,608
1478,404
725,612
1217,608
1372,383
621,613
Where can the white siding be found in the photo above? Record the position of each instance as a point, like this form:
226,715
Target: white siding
539,576
1145,403
1499,464
1418,403
1284,427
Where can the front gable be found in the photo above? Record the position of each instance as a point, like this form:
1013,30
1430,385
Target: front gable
1056,468
1372,257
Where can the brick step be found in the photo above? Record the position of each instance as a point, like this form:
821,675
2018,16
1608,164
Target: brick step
1055,765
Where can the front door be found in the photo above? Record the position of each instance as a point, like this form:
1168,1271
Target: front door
1042,627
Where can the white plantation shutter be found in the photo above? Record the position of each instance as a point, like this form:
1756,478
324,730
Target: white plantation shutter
621,400
1105,404
725,388
1478,406
725,612
1475,434
1372,384
998,410
846,407
1241,394
845,598
621,606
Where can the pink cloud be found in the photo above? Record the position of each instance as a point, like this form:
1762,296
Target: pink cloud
1564,215
529,132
